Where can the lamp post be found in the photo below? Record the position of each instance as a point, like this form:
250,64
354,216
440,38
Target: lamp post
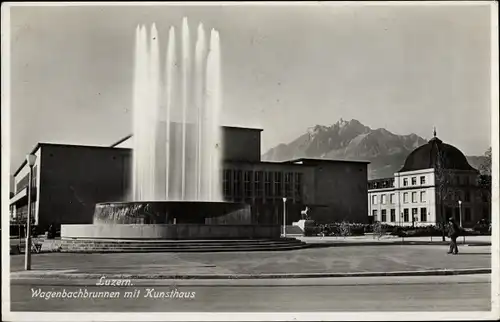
30,159
460,217
284,217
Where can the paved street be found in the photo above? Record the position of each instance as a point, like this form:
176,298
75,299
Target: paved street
431,293
382,258
412,293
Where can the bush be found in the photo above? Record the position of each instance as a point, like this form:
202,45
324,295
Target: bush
311,231
355,229
339,229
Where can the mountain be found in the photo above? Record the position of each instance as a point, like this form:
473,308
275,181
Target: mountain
351,140
477,162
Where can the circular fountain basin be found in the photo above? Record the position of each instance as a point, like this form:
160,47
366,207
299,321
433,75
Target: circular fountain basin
175,220
171,212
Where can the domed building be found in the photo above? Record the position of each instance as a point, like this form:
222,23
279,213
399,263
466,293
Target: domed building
436,182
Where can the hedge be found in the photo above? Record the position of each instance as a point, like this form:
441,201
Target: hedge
356,229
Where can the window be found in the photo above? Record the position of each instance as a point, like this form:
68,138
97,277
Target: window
406,215
393,215
374,199
392,198
467,180
382,199
457,214
237,184
298,186
405,182
422,196
267,184
277,184
468,216
248,183
467,196
227,183
258,184
484,196
374,212
414,214
413,197
486,212
23,183
405,197
414,181
448,212
288,185
423,214
422,180
383,215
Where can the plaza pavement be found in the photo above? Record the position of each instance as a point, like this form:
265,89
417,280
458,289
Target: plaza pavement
309,262
226,281
52,245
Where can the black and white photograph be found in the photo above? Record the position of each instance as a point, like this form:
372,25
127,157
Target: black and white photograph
174,161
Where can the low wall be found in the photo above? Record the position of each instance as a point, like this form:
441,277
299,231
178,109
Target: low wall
170,212
178,231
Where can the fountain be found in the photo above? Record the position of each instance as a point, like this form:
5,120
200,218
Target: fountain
177,153
176,123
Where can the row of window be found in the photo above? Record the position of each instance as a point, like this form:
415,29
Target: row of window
467,213
405,216
23,183
465,196
392,198
413,181
457,180
381,184
261,184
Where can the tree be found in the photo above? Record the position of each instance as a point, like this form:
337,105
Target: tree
445,187
485,166
484,184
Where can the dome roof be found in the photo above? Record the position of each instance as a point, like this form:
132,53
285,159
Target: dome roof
426,157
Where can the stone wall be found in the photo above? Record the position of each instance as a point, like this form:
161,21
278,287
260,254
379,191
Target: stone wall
179,231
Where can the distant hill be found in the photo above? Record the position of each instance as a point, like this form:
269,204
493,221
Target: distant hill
351,140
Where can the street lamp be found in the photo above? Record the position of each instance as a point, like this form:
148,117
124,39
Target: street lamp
460,215
30,159
284,217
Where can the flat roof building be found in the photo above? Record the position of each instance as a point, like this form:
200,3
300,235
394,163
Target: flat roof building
70,179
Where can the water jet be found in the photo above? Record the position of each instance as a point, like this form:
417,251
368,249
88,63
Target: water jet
176,191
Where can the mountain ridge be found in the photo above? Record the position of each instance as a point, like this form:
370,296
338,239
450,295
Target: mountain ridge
352,140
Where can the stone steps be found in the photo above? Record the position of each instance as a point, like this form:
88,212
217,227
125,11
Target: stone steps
108,246
180,241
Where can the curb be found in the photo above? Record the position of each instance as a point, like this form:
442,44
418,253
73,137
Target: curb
307,244
389,243
439,272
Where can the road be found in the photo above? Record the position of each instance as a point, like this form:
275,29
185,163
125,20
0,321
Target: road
412,293
383,258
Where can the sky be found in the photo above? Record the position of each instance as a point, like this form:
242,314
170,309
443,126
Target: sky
284,69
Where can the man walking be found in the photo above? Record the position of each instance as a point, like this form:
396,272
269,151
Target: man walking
453,233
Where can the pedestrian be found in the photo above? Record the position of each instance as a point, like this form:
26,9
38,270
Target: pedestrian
453,233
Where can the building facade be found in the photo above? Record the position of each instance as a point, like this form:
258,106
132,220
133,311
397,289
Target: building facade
68,180
435,183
